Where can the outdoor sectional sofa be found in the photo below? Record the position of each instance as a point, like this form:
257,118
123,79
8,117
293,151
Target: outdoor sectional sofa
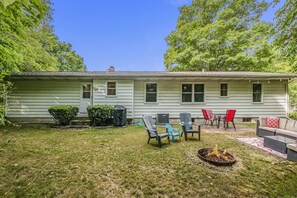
287,128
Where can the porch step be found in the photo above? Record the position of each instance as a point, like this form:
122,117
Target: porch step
79,126
80,122
81,118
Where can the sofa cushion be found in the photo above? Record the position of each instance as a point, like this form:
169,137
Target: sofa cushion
295,128
272,122
290,125
292,147
262,121
268,129
287,132
282,123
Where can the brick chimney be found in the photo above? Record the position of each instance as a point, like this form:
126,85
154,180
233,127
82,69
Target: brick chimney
110,69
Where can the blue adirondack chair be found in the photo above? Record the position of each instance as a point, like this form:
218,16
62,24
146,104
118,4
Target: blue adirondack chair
173,131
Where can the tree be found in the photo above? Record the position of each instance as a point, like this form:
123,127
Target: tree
286,32
27,43
286,41
16,18
65,59
220,35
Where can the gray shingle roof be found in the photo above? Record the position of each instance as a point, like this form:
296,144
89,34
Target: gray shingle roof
148,74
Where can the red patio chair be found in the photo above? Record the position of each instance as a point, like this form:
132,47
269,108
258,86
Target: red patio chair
205,116
230,114
208,116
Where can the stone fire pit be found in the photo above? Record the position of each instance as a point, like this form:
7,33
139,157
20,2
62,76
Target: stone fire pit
216,156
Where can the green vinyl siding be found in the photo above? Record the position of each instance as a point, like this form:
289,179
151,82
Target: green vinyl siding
124,94
240,97
32,98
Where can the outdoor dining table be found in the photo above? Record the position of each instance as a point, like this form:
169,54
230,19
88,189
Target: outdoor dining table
219,116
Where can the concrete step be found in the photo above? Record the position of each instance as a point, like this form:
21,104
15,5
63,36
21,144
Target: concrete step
79,126
74,121
80,122
82,118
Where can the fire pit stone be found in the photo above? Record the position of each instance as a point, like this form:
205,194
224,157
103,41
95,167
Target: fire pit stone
216,156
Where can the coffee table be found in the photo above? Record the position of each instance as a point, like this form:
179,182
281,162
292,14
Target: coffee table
292,152
277,143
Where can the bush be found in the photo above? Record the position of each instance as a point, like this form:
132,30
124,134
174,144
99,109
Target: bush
99,114
63,114
293,115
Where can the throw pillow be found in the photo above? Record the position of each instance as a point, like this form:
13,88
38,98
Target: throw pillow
290,125
282,123
272,122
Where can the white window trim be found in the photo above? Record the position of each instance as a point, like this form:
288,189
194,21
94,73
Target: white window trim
157,99
193,92
262,93
221,90
116,88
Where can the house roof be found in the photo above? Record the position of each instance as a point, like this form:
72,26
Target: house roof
152,74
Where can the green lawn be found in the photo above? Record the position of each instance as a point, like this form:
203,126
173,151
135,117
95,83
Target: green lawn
38,161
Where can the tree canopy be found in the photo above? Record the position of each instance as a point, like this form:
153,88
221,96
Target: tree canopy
27,42
286,32
230,35
219,36
65,59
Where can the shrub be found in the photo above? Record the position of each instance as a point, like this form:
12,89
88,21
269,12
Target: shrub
63,114
99,114
293,115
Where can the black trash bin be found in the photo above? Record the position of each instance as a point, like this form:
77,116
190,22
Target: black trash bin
119,115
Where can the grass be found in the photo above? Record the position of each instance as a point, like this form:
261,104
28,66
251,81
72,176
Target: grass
38,161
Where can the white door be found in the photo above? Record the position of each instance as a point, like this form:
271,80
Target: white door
86,97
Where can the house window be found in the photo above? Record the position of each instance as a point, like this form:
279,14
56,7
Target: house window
111,88
87,91
257,92
223,89
151,92
199,93
192,92
187,92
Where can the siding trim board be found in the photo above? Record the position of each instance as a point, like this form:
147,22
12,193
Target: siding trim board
133,96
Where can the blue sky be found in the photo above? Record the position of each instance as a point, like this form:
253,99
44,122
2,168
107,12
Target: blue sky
128,34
